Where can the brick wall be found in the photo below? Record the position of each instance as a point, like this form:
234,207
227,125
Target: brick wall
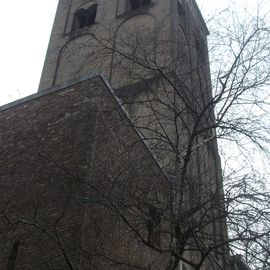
70,164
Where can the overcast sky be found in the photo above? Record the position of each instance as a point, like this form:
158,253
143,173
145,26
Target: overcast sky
25,32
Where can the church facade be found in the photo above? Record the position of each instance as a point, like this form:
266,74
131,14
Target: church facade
113,164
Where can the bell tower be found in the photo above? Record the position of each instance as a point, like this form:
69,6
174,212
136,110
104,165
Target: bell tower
90,37
154,55
133,44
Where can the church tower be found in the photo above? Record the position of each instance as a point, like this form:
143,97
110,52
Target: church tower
154,55
88,37
133,42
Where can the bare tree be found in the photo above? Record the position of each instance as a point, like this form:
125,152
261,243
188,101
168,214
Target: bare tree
183,216
176,117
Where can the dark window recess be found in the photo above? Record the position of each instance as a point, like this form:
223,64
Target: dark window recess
180,9
13,256
153,226
135,4
85,17
200,49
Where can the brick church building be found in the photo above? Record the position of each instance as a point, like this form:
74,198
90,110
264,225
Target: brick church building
113,163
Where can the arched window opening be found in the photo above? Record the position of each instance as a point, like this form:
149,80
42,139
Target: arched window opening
154,226
135,4
85,17
180,9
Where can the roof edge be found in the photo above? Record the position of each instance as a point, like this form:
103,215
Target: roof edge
68,84
48,91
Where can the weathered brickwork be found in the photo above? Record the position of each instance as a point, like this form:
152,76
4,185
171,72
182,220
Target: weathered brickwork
81,185
68,157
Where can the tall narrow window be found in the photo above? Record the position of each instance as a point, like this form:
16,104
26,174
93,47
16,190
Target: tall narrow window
153,225
200,50
85,17
135,4
13,256
180,8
